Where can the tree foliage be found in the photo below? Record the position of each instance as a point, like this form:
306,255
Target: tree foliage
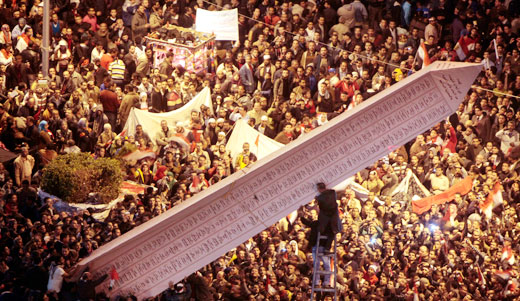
73,177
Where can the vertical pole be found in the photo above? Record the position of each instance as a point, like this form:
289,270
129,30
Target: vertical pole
46,37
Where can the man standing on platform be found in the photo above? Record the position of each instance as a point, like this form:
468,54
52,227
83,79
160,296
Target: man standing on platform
329,214
328,224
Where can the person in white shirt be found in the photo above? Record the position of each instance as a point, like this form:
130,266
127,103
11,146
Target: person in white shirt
239,113
97,53
508,137
56,276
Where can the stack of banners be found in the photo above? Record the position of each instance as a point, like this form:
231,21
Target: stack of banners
409,189
193,234
151,122
423,205
100,211
259,144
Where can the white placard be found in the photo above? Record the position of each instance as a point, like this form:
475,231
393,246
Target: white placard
224,23
198,231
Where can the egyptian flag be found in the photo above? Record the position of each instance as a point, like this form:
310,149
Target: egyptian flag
508,255
504,275
269,288
415,293
511,286
464,46
422,52
113,277
451,213
493,200
291,218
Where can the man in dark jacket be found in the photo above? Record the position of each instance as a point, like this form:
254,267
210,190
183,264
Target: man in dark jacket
87,286
329,214
177,292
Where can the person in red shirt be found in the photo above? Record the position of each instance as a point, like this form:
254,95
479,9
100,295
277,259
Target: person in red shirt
110,102
91,19
108,58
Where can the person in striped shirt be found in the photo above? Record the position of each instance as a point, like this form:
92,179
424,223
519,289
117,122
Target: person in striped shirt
116,69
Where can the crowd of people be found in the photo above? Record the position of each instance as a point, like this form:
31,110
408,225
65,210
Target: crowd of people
296,65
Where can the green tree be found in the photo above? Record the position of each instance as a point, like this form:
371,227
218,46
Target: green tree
73,177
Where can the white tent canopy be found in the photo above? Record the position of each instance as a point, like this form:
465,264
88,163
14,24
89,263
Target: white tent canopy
243,133
151,122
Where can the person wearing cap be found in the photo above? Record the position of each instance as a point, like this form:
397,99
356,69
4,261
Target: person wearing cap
432,29
373,183
19,28
211,131
177,292
267,67
264,128
221,138
61,56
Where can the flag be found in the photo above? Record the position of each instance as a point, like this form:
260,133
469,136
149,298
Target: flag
511,287
114,276
464,46
504,275
291,218
481,278
508,255
269,288
423,55
423,205
139,155
493,200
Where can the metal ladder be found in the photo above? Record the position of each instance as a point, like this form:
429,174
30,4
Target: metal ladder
317,271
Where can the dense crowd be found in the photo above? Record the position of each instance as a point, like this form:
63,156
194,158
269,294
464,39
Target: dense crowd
296,65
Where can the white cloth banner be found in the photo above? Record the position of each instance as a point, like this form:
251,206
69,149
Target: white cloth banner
198,231
224,23
243,133
151,122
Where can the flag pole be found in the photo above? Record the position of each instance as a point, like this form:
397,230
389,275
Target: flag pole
46,37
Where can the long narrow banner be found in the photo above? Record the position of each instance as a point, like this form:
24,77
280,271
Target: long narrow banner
198,231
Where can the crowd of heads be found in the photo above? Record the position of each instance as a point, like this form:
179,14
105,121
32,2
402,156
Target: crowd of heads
296,65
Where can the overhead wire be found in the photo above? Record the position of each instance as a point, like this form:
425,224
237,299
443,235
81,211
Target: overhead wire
351,52
317,42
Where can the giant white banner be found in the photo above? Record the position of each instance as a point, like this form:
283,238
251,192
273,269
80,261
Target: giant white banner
198,231
224,23
151,122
